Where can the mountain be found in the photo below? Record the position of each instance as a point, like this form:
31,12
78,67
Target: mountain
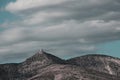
45,66
101,63
44,58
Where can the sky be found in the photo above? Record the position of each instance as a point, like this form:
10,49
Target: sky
65,28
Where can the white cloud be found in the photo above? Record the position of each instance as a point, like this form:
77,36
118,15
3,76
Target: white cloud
68,27
67,30
70,36
40,17
20,5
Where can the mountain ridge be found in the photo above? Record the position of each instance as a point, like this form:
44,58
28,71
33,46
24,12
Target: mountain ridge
45,66
102,63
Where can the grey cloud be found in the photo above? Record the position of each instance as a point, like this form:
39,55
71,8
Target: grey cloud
65,31
70,9
66,28
64,39
90,9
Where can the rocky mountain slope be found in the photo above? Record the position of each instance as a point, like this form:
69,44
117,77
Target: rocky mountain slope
101,63
44,66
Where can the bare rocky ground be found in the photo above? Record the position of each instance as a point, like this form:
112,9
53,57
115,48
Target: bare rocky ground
44,66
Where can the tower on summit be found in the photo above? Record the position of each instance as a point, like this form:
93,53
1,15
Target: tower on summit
41,51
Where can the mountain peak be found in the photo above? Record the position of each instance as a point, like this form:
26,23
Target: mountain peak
41,56
41,51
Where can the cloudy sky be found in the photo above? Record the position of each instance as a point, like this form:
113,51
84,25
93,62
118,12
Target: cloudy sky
66,28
